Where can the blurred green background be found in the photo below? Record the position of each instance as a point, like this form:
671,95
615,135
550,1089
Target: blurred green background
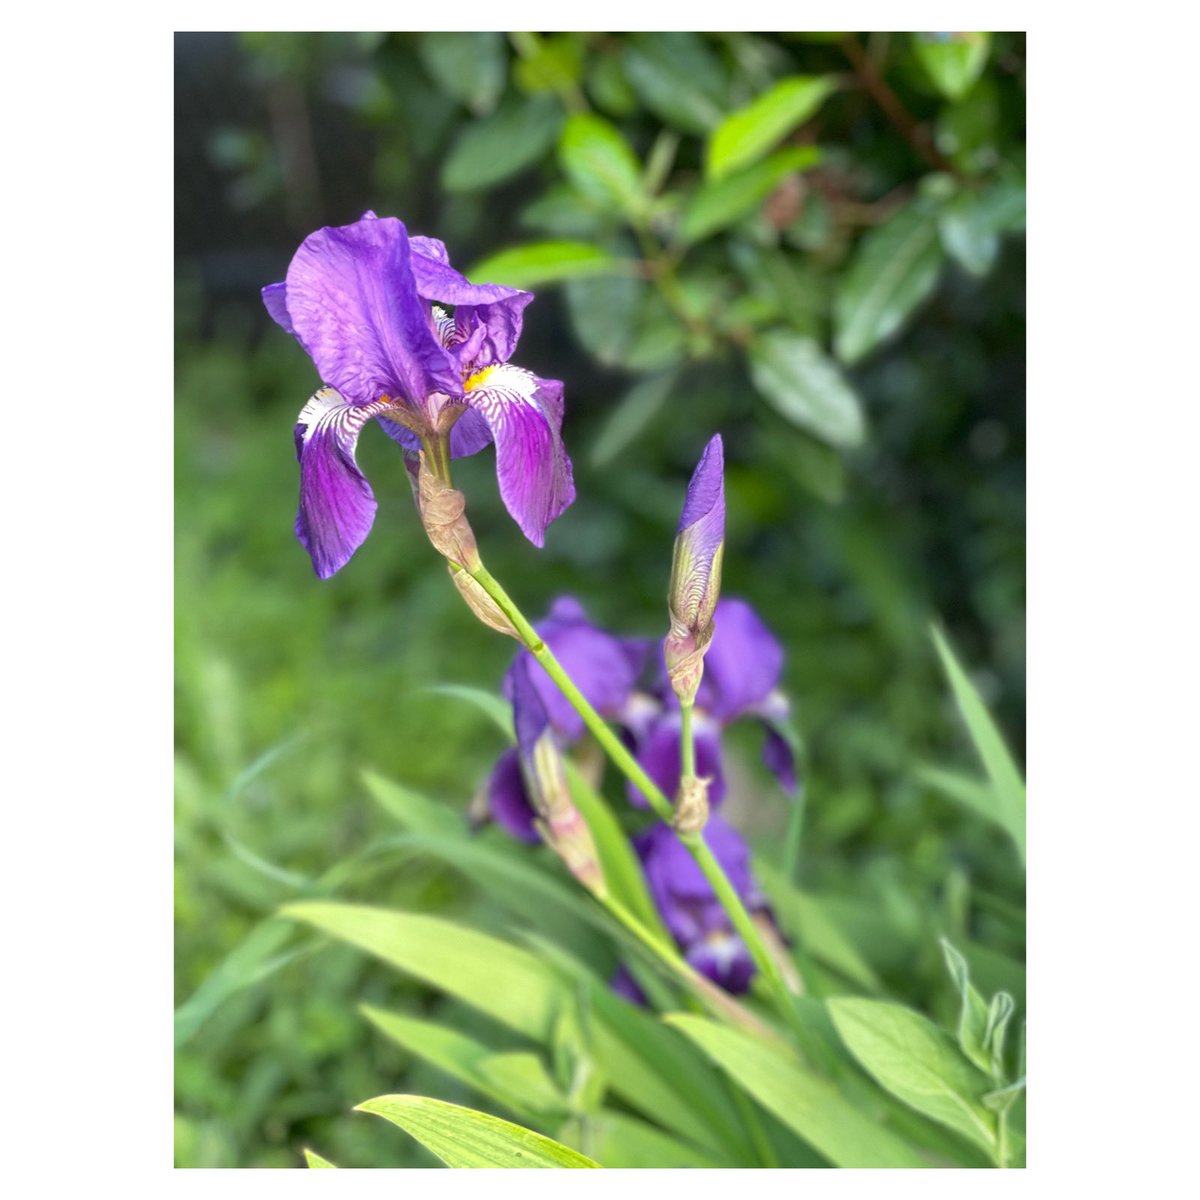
811,243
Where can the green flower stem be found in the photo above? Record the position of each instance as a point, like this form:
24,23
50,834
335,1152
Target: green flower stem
687,742
632,770
716,999
608,740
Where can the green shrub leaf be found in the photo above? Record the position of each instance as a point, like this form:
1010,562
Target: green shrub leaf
895,268
953,61
546,262
745,136
795,376
723,202
599,162
489,151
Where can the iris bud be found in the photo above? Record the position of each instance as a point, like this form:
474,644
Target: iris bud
696,573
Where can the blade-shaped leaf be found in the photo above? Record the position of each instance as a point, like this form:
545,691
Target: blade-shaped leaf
909,1056
463,1137
895,268
619,1140
313,1159
619,862
414,811
467,1060
523,992
494,707
793,374
451,957
804,916
989,744
804,1102
745,136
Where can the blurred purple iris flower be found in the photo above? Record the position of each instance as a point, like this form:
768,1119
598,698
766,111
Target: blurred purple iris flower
742,668
604,667
399,336
690,908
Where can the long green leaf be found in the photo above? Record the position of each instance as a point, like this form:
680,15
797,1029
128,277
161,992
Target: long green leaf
989,744
619,1140
499,979
313,1159
622,870
252,960
471,1062
909,1056
414,811
804,1102
523,992
745,136
817,933
495,708
463,1137
895,268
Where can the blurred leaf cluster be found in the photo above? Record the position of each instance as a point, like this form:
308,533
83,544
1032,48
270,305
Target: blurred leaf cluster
810,242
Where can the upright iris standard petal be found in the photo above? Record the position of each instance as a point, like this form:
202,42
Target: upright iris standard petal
524,415
487,316
744,662
337,506
696,573
354,306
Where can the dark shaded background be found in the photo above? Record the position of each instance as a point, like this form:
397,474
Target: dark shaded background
288,687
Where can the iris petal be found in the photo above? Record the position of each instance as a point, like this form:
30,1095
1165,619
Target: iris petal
508,800
353,303
743,663
337,506
524,415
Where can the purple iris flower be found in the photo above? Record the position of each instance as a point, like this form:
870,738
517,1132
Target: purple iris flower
399,336
741,675
604,667
689,906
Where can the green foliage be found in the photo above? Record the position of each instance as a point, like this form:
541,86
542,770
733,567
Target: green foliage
1008,789
745,136
804,1102
721,240
462,1137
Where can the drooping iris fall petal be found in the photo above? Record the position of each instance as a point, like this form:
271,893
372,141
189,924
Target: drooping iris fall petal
524,416
337,506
